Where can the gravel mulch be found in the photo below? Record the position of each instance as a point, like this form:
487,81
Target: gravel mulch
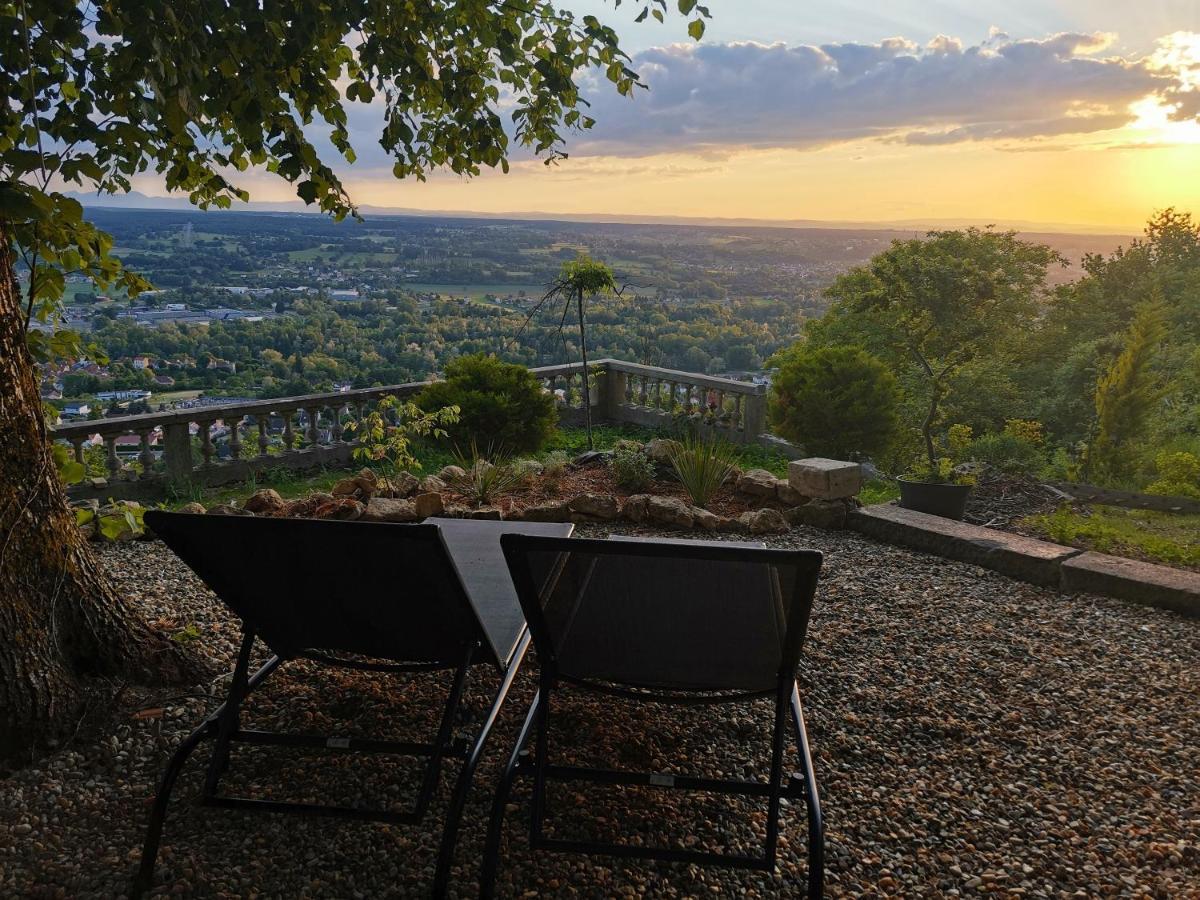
972,735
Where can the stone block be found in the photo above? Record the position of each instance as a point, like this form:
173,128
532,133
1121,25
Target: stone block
1014,555
1132,579
825,479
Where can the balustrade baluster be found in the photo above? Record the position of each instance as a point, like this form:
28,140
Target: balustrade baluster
110,457
672,388
289,436
77,446
642,383
206,444
313,434
146,457
235,438
263,422
719,413
736,423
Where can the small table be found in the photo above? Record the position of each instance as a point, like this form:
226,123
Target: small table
474,546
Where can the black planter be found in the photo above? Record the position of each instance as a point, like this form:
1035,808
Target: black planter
946,500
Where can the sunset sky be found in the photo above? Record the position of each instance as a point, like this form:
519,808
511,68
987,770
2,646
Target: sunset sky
1072,112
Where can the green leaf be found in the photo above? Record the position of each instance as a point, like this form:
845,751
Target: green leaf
696,28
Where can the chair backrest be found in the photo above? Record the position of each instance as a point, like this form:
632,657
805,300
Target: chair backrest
377,589
668,615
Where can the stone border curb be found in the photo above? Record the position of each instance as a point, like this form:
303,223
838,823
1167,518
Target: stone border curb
1068,569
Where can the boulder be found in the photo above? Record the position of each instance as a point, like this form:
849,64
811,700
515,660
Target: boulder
544,512
306,506
819,514
705,520
757,483
636,508
265,502
362,486
228,509
342,509
193,508
825,479
451,473
388,509
669,511
732,525
428,504
596,506
434,484
98,484
400,485
788,495
660,449
764,521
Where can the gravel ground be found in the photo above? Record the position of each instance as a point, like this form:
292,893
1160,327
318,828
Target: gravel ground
972,735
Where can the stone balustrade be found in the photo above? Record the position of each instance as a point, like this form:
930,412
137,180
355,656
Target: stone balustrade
225,443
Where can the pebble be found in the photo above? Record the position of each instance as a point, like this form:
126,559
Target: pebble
972,735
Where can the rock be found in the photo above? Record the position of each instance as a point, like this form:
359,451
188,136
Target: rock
347,487
590,457
545,512
228,509
596,506
428,504
265,501
483,512
306,506
660,449
388,509
819,514
402,484
757,483
705,520
669,511
193,508
788,494
825,479
764,521
636,508
452,473
728,524
342,509
98,483
434,484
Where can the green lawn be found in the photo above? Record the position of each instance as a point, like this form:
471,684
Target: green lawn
1170,538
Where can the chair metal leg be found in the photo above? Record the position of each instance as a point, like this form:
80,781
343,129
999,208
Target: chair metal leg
230,714
158,813
491,852
441,742
816,824
462,785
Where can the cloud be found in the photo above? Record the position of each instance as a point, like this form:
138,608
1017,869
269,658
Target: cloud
708,97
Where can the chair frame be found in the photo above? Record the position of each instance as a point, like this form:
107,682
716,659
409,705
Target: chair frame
223,726
534,763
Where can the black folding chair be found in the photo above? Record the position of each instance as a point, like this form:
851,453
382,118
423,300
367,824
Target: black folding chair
681,622
369,596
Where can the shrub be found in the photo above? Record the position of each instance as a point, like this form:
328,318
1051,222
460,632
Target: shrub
839,402
701,466
1006,452
554,467
482,480
1178,475
500,404
632,469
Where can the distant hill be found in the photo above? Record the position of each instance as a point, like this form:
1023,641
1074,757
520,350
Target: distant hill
1035,230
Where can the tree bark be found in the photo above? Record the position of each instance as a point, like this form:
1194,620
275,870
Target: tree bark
587,393
60,620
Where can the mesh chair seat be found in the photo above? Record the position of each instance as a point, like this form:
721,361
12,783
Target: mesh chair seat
709,627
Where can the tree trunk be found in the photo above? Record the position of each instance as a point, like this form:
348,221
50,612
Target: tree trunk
60,620
587,392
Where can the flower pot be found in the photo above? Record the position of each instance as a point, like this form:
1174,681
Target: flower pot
937,499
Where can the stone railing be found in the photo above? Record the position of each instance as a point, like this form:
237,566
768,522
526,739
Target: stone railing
204,446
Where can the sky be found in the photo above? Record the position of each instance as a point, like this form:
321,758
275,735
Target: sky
1071,113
